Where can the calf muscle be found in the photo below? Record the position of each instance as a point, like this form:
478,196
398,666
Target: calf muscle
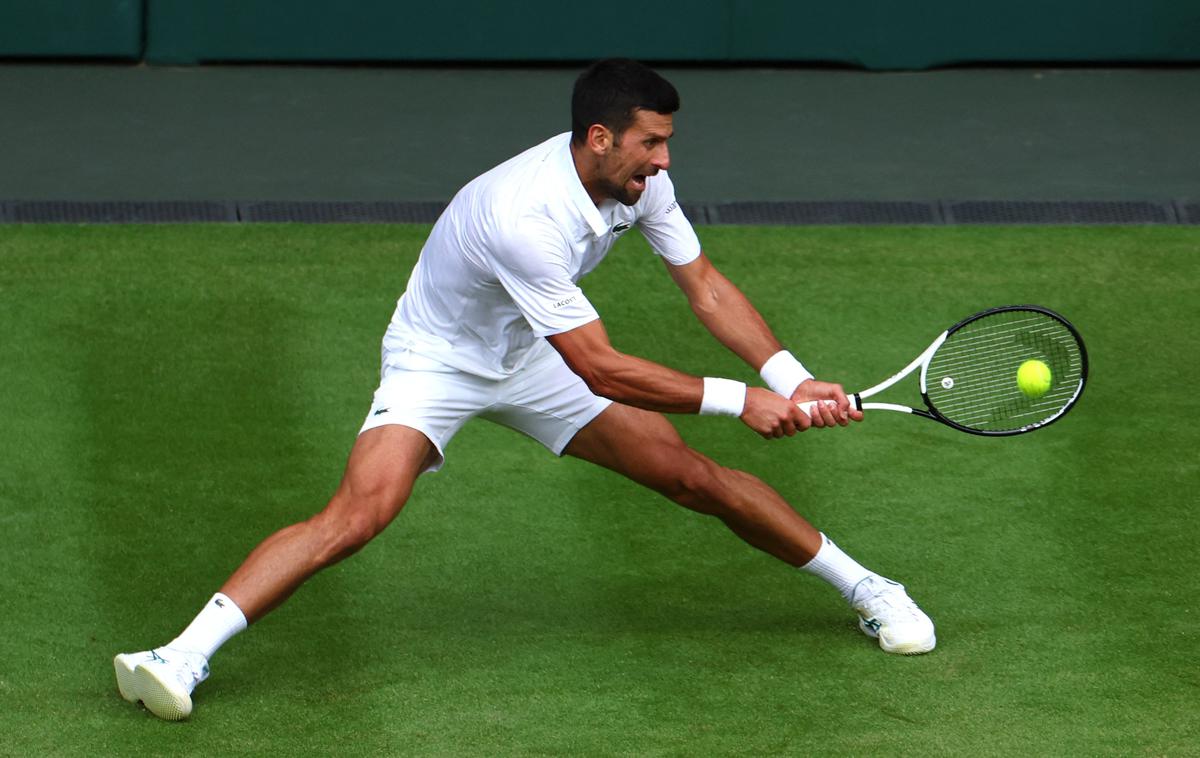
383,466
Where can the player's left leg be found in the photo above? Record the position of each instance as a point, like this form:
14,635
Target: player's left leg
646,448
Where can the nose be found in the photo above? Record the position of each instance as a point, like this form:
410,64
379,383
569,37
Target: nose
661,159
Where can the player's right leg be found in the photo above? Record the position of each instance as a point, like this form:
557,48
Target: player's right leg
379,476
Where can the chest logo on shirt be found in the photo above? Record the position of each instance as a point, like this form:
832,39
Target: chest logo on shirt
621,227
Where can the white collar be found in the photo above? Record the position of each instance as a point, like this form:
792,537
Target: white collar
577,193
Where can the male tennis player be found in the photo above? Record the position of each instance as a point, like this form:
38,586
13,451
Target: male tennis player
493,324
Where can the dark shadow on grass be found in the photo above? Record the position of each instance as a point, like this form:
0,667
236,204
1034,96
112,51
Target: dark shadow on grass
196,448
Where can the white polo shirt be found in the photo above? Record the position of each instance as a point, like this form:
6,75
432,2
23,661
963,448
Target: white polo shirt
500,270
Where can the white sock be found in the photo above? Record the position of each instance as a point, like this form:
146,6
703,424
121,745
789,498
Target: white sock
837,568
219,620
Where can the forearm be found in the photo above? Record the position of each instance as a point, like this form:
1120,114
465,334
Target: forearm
730,317
638,382
734,321
644,384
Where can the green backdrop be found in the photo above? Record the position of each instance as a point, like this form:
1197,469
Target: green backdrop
874,34
72,28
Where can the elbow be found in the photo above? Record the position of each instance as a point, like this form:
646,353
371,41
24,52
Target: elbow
706,303
599,382
600,378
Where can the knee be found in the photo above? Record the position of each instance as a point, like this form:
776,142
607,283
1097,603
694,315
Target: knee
348,523
696,483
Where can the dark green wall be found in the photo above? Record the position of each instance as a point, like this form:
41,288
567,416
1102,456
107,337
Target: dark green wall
186,31
875,34
886,34
71,28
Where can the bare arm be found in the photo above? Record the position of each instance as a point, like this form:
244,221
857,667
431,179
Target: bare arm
638,382
725,312
626,378
730,317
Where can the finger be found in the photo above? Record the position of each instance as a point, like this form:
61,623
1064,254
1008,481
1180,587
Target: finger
803,420
827,413
789,426
843,402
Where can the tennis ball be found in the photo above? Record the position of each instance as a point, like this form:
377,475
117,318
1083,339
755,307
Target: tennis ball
1033,377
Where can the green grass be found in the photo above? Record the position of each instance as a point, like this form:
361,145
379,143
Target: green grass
174,394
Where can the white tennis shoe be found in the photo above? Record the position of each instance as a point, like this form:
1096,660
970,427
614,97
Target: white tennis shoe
162,679
888,614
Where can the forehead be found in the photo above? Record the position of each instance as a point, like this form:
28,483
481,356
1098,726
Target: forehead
651,123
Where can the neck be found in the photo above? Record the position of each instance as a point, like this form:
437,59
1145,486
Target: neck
586,169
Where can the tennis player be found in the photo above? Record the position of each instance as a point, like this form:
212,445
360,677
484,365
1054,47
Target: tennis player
493,324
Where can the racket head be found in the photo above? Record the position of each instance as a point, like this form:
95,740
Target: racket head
970,380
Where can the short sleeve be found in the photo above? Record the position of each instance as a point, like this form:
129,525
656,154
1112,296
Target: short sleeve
531,265
664,224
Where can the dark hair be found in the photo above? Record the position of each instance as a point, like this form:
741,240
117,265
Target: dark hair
609,92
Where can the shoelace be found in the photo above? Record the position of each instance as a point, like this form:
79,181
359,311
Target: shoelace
888,601
184,668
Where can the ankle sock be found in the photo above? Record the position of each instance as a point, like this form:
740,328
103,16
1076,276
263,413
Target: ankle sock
219,620
837,568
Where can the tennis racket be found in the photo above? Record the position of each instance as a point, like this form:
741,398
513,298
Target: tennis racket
969,373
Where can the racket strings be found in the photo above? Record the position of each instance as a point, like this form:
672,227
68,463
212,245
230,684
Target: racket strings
972,378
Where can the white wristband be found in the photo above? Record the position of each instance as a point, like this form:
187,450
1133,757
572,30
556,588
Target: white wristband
783,373
723,397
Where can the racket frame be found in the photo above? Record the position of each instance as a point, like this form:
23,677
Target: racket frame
922,361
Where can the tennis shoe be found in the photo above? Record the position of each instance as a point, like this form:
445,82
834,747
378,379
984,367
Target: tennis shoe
162,679
888,614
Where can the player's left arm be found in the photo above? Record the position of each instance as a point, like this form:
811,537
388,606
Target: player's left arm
734,321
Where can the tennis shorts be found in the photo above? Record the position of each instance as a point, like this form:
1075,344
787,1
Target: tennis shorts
545,399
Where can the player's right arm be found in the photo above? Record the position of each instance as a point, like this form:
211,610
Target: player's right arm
531,264
645,384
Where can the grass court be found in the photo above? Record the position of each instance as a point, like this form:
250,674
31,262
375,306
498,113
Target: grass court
173,394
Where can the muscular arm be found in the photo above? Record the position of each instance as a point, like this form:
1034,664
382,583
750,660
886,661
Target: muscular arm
737,325
635,381
626,378
644,384
725,311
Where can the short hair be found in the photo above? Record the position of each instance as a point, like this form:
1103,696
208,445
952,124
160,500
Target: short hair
611,90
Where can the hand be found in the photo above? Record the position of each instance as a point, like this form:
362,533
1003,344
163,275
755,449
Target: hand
826,414
772,415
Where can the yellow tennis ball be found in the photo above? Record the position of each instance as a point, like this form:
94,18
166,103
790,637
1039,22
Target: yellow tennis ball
1033,377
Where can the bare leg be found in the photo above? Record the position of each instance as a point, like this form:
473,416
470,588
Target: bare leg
643,446
383,466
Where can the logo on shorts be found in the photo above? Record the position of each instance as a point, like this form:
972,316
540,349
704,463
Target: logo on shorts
380,412
567,301
621,227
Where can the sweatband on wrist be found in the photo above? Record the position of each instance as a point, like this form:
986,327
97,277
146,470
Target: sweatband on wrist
783,373
723,397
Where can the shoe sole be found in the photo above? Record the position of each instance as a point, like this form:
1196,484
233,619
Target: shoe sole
162,698
905,648
124,666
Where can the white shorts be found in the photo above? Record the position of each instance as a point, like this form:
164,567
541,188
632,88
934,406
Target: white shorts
545,399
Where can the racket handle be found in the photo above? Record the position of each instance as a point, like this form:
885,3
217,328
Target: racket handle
855,404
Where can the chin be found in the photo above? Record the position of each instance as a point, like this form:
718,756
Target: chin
629,196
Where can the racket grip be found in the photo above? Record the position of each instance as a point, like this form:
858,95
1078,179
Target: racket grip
807,407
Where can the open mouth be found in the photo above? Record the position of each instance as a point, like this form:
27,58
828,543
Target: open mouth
639,182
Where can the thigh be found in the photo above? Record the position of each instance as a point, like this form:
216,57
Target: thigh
639,444
384,463
547,401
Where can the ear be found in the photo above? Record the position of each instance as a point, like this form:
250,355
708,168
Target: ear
599,139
